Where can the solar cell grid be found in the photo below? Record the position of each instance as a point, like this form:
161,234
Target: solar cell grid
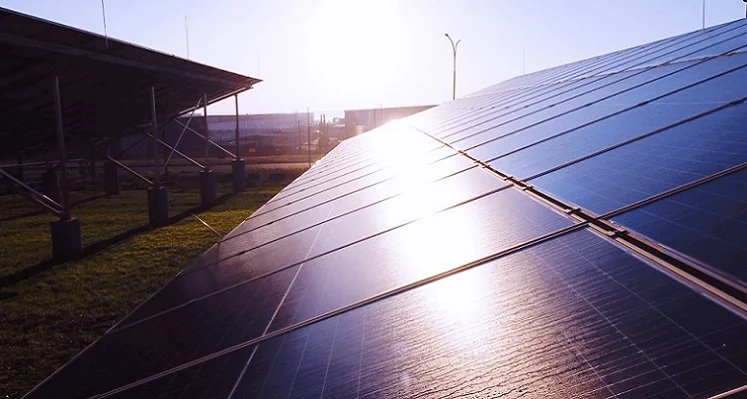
667,95
438,160
434,245
571,99
646,167
708,222
524,79
368,221
178,337
371,156
584,333
515,102
731,39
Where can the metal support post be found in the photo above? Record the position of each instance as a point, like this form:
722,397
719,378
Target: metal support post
308,134
64,188
207,127
111,178
158,197
67,240
165,169
154,136
239,175
92,165
208,188
238,151
238,166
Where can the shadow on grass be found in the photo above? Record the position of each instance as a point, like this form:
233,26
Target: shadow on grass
98,246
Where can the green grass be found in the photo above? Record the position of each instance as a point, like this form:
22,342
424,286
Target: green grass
52,315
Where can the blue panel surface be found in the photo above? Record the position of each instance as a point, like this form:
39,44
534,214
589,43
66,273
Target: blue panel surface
653,165
575,317
708,222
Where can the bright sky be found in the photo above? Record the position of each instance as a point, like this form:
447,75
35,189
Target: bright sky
343,54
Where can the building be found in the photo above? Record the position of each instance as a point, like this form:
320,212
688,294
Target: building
358,121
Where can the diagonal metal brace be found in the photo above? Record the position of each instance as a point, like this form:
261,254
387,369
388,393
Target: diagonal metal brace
128,169
198,134
192,114
33,195
177,152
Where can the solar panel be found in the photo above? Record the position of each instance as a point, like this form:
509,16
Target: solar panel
707,222
574,233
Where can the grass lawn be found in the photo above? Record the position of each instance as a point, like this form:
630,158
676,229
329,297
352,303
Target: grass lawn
49,313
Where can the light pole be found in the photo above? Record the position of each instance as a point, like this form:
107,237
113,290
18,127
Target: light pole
454,47
745,12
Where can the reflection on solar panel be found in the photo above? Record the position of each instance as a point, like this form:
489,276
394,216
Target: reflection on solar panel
574,233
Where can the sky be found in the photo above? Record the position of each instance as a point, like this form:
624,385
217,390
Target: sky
331,55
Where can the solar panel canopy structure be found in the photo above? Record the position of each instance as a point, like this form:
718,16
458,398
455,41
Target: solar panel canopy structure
579,232
105,84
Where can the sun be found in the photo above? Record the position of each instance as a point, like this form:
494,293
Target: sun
357,45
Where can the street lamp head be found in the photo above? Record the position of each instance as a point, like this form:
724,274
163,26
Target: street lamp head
447,35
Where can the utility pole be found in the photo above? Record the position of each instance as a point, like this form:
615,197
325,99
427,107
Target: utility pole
704,10
106,34
308,130
454,47
186,33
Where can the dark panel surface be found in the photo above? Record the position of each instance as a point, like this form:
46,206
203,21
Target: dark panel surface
575,317
708,222
170,340
212,379
632,123
317,240
432,245
654,164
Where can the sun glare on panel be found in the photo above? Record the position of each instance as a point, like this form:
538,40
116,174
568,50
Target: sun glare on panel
360,43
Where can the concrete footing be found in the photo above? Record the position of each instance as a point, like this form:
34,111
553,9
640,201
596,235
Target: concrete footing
112,185
67,242
208,188
158,206
51,185
239,175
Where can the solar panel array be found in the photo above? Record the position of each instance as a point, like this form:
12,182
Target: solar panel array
580,232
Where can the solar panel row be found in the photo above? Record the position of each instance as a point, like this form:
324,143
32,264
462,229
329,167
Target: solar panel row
420,259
